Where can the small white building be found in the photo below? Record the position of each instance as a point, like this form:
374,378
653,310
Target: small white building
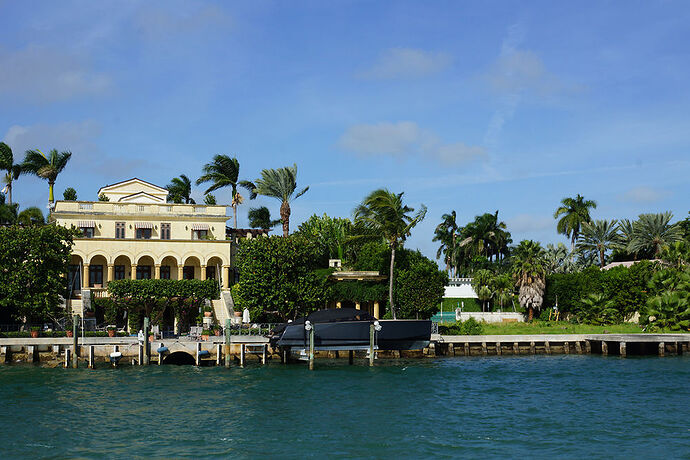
459,288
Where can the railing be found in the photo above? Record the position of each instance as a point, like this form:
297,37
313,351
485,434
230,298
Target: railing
252,328
434,328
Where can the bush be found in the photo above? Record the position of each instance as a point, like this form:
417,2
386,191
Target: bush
469,327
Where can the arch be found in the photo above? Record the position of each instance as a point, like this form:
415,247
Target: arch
141,255
192,267
122,267
96,254
223,258
127,254
180,358
76,259
145,260
178,259
214,267
169,267
200,259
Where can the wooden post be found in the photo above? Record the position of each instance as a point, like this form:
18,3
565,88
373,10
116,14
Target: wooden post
604,348
547,347
242,351
311,348
146,342
67,357
228,327
92,357
376,309
498,348
484,350
198,351
32,354
622,347
662,349
588,347
219,354
451,348
350,357
371,344
566,348
75,336
7,351
264,354
140,354
532,348
516,348
578,347
285,353
679,348
467,348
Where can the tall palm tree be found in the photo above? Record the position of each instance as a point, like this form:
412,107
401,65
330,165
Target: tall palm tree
653,232
261,218
575,212
280,183
383,212
446,233
46,167
486,236
529,273
12,170
600,236
180,189
557,259
627,230
222,172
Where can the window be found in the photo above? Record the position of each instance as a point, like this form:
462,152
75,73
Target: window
143,272
210,273
199,234
95,275
74,279
119,272
87,232
143,233
168,208
188,273
119,229
165,231
86,206
141,208
165,272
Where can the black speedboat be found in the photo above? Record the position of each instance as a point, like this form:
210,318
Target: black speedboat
349,329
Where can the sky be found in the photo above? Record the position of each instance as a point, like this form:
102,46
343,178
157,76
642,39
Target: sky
472,106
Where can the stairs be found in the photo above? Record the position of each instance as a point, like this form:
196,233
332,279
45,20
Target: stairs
223,307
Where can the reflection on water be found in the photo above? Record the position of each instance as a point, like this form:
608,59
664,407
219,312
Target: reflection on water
545,407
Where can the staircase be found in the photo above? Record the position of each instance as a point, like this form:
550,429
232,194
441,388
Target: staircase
223,307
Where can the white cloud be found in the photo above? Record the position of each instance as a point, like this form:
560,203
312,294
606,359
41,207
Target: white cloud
520,71
644,194
528,223
406,63
404,139
44,75
74,136
164,22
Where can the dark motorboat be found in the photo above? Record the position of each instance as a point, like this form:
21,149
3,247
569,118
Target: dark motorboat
349,329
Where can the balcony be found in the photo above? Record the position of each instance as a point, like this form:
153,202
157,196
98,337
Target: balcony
148,209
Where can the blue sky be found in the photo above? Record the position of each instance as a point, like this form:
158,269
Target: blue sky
472,106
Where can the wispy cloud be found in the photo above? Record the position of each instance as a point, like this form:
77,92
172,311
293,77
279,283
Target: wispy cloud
45,75
644,194
162,22
406,63
404,139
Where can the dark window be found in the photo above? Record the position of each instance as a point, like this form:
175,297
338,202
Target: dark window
74,279
87,232
165,231
165,272
199,234
143,233
95,275
143,272
210,273
188,273
119,272
119,229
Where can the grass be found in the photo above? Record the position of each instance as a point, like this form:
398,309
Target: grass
557,327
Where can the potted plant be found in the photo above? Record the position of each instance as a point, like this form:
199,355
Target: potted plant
218,330
69,323
205,334
111,331
208,312
34,331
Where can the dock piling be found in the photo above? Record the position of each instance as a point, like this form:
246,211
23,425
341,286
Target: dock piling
498,348
566,348
578,347
532,348
198,352
219,352
242,354
588,347
92,360
604,348
67,358
516,348
264,354
467,348
484,350
547,347
228,327
311,348
350,357
32,354
75,324
371,345
622,347
662,349
146,357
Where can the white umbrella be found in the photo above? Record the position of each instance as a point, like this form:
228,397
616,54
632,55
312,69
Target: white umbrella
245,315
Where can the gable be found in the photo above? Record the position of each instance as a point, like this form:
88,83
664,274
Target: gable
141,197
126,190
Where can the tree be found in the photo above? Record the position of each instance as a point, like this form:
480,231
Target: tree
383,212
210,199
46,167
557,259
670,307
529,274
281,184
575,212
677,255
223,172
486,236
8,212
482,281
31,216
599,236
261,218
180,190
69,194
653,232
12,170
103,197
419,287
330,233
446,234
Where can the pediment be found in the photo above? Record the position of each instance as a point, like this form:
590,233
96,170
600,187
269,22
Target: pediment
141,197
131,189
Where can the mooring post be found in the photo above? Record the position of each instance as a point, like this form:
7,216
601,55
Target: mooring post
604,348
467,348
532,348
67,358
228,328
566,348
498,348
578,347
588,347
350,356
198,352
75,336
146,342
662,349
285,353
547,347
371,344
242,354
92,360
516,348
484,350
219,353
311,348
264,354
140,356
622,348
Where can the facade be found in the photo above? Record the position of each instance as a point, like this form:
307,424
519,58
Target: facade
460,288
138,235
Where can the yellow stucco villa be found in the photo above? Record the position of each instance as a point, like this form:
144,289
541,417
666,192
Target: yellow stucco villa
137,234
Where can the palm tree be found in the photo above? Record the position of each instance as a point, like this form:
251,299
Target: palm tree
8,212
486,236
600,236
180,189
627,230
46,167
31,216
575,212
652,232
529,274
383,212
12,170
482,283
222,172
210,199
557,259
261,218
280,183
446,233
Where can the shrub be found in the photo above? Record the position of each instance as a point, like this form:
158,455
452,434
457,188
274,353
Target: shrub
472,327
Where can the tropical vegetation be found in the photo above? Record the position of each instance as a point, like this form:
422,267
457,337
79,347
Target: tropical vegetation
280,184
46,167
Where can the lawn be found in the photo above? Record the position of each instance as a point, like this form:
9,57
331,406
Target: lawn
557,327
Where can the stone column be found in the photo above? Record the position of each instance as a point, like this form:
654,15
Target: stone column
133,275
226,276
111,272
85,276
203,272
157,272
376,310
180,272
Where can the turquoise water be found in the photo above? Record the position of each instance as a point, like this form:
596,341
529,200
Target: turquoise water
502,407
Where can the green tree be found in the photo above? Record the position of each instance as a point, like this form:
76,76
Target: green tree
446,233
281,184
599,236
486,236
69,194
103,197
12,170
669,308
383,212
210,199
46,167
482,281
261,218
331,233
574,212
596,309
8,212
654,232
180,190
223,172
419,287
677,255
31,216
529,274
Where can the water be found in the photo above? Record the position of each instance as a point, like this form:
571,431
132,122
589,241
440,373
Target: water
503,407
